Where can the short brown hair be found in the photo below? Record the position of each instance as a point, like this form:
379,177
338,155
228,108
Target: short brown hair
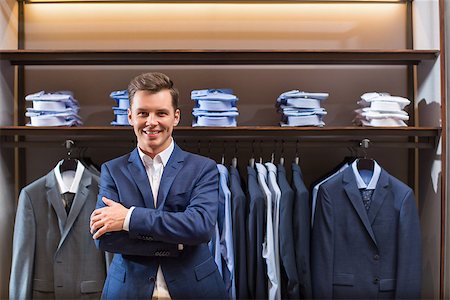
152,83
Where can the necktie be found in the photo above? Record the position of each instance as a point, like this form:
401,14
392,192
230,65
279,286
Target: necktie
366,197
67,200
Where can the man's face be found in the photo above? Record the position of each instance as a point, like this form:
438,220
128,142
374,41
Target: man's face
153,118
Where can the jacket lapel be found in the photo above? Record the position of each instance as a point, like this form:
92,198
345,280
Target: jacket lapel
379,195
174,165
137,171
54,197
78,203
354,195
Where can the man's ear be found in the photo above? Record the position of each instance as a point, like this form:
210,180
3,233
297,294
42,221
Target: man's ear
177,117
130,119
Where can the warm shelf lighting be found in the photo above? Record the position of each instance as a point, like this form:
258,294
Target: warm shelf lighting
214,1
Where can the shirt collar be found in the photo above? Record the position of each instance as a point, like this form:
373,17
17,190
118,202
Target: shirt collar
76,180
261,169
373,181
163,155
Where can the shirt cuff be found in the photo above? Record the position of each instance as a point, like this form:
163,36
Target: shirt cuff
126,222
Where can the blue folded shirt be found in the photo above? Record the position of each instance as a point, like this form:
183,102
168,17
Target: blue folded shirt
311,120
231,113
214,121
302,94
213,94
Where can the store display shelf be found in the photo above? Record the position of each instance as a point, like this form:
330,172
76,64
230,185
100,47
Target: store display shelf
216,57
410,137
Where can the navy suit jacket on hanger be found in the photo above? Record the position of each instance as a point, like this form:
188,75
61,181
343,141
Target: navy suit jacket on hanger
302,231
238,214
257,268
370,254
290,288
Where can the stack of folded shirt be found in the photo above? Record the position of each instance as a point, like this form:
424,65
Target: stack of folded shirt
301,108
121,109
381,109
53,109
214,107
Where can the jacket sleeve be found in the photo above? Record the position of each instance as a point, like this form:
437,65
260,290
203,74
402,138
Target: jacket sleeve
409,259
120,241
322,245
24,243
192,226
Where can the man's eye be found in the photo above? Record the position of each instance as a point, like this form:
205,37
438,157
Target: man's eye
162,114
142,114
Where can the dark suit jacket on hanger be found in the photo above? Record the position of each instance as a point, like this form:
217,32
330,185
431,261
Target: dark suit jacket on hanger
302,231
54,255
238,214
185,213
363,254
289,284
257,268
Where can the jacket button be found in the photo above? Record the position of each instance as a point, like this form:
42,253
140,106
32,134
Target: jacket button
376,280
376,257
152,279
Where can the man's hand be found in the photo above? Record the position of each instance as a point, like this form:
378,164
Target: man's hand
107,219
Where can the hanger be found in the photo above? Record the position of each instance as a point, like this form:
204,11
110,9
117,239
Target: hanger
365,163
222,160
87,161
282,153
260,152
296,159
234,159
68,164
251,161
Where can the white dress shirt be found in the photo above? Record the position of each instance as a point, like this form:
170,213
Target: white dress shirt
268,245
360,182
68,181
154,168
276,197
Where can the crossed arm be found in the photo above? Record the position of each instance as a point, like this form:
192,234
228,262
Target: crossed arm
153,228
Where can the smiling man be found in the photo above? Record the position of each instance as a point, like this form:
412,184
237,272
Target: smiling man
157,206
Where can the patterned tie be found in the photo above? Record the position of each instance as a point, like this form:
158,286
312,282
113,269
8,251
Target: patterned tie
366,197
67,200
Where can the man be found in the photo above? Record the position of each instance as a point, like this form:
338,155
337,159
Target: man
157,206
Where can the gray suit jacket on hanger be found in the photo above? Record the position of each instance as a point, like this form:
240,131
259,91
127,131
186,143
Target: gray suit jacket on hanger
54,255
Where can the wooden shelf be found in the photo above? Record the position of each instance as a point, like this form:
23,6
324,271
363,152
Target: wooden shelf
214,1
426,137
216,57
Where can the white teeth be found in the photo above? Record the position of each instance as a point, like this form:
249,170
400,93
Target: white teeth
150,132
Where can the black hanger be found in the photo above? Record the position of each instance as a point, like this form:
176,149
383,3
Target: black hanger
251,161
68,163
365,163
282,153
234,159
296,159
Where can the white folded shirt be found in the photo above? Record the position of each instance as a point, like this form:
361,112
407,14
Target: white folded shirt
382,105
369,114
388,122
368,98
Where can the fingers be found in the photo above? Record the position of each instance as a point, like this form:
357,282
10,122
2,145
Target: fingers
107,201
102,230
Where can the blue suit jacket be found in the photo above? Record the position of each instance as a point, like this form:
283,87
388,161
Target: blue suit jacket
289,284
256,264
363,254
302,231
238,214
185,213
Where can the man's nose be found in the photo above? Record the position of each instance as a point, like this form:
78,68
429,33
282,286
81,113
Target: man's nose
151,120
